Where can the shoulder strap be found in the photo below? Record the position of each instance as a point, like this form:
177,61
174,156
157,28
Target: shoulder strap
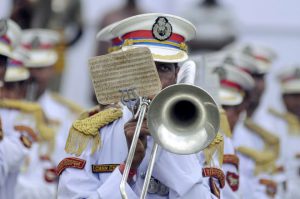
291,119
272,141
47,134
225,127
216,146
264,160
68,103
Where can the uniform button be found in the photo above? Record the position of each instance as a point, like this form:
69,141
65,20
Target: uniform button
153,186
163,190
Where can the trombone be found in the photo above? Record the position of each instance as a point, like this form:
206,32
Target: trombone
182,118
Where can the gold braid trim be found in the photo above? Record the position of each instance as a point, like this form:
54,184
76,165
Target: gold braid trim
65,102
272,142
86,130
217,145
225,127
178,55
264,160
291,119
130,42
46,133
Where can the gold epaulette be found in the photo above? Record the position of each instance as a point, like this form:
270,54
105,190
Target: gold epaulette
86,129
65,102
46,133
264,160
224,126
24,106
272,141
291,119
216,146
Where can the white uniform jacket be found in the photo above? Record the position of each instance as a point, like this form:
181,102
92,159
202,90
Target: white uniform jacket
177,176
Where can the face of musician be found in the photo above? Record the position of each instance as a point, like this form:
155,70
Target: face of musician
3,62
168,76
257,92
167,73
41,76
232,113
15,90
292,103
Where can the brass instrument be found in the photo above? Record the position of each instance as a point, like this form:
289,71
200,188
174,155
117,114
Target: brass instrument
183,119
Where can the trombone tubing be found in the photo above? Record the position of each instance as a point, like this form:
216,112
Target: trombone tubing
144,105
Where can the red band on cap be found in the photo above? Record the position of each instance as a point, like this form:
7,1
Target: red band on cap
6,39
147,34
42,46
286,79
15,62
262,58
116,41
244,69
230,84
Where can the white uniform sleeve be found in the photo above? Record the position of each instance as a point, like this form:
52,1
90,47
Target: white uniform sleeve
227,192
12,153
83,183
182,174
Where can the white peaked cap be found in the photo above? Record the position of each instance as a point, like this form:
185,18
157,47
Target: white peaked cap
105,33
290,79
16,70
263,55
233,84
16,73
41,44
10,35
164,34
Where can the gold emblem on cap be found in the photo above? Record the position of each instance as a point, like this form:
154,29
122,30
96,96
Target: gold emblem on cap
297,72
3,27
36,42
221,72
162,29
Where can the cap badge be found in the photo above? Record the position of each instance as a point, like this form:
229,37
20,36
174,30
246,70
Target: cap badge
35,43
162,29
3,27
297,72
221,72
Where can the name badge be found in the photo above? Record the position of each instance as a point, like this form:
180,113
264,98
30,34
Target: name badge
104,168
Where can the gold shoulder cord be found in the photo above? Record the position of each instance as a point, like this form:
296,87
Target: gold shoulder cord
217,146
86,129
291,119
225,127
65,102
46,133
272,142
264,160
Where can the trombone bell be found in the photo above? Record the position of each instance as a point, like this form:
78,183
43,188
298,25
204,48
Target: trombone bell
183,119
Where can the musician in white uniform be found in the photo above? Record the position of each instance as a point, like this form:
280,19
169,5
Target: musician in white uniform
98,175
13,144
289,79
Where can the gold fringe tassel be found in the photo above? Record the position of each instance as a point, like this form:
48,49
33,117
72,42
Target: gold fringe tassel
71,105
47,134
264,160
86,130
291,119
225,127
217,146
272,142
